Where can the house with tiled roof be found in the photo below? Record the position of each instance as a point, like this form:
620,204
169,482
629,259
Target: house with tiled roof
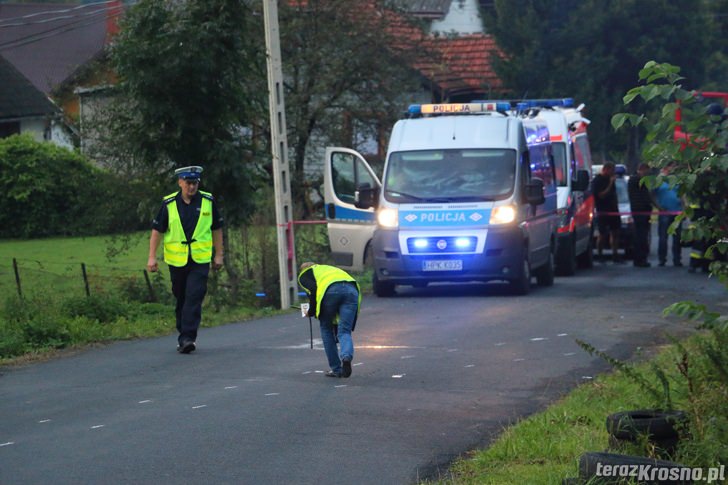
25,109
57,47
459,67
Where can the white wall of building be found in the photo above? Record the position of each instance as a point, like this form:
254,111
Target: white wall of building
462,18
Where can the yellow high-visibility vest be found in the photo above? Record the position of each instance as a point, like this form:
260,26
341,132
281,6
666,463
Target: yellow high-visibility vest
325,276
177,248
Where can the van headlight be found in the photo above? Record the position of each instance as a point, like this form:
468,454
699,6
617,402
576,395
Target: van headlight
388,217
503,214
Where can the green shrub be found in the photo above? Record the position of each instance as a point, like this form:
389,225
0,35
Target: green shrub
12,340
50,190
46,331
99,307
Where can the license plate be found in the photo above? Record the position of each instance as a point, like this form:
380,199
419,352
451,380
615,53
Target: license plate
443,265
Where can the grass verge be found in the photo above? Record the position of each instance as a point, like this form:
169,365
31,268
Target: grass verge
545,448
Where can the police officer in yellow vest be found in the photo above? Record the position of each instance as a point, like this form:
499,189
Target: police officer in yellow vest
192,226
335,299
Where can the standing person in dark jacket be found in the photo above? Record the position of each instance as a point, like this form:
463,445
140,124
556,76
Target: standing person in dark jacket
607,206
335,299
641,202
192,226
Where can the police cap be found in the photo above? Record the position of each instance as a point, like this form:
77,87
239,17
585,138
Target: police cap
193,172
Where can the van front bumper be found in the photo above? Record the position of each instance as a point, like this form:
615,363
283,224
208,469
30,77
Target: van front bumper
500,259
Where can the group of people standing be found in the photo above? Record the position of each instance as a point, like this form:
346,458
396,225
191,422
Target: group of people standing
642,202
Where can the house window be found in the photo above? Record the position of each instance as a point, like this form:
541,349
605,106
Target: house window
9,129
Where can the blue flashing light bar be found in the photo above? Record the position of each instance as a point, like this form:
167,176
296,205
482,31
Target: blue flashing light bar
524,104
548,103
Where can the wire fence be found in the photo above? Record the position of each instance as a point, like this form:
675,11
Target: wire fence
35,276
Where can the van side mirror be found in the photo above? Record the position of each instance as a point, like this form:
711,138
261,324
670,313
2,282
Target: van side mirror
534,192
366,196
581,182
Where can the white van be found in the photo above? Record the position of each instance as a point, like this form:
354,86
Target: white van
572,158
468,194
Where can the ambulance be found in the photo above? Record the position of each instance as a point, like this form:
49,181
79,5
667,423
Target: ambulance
469,194
575,202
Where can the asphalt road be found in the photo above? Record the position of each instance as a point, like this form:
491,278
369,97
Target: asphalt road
437,371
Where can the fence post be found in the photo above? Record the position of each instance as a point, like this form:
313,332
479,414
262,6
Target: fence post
85,278
17,277
152,295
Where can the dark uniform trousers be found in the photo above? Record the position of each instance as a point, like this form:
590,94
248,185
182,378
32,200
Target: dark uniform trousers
189,286
641,241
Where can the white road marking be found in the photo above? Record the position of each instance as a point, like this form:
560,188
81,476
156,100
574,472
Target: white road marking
200,406
518,360
398,376
587,377
319,372
98,426
44,421
340,385
500,344
386,347
231,387
273,394
538,339
357,364
469,365
7,444
452,350
569,354
145,401
562,335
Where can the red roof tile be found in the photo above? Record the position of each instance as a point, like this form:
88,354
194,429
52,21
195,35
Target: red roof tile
454,65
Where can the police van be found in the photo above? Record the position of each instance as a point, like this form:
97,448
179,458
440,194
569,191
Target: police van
575,202
468,194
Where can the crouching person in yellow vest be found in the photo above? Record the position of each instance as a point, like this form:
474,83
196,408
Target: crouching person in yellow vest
192,226
334,298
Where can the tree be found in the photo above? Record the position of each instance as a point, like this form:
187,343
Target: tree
591,49
345,71
191,86
698,168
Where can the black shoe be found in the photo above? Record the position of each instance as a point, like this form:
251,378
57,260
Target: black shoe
662,263
642,264
330,373
347,368
186,347
677,264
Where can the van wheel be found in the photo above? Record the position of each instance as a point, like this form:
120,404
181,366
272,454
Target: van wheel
566,259
545,274
586,259
521,284
382,289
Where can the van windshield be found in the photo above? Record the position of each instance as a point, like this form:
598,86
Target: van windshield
450,175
